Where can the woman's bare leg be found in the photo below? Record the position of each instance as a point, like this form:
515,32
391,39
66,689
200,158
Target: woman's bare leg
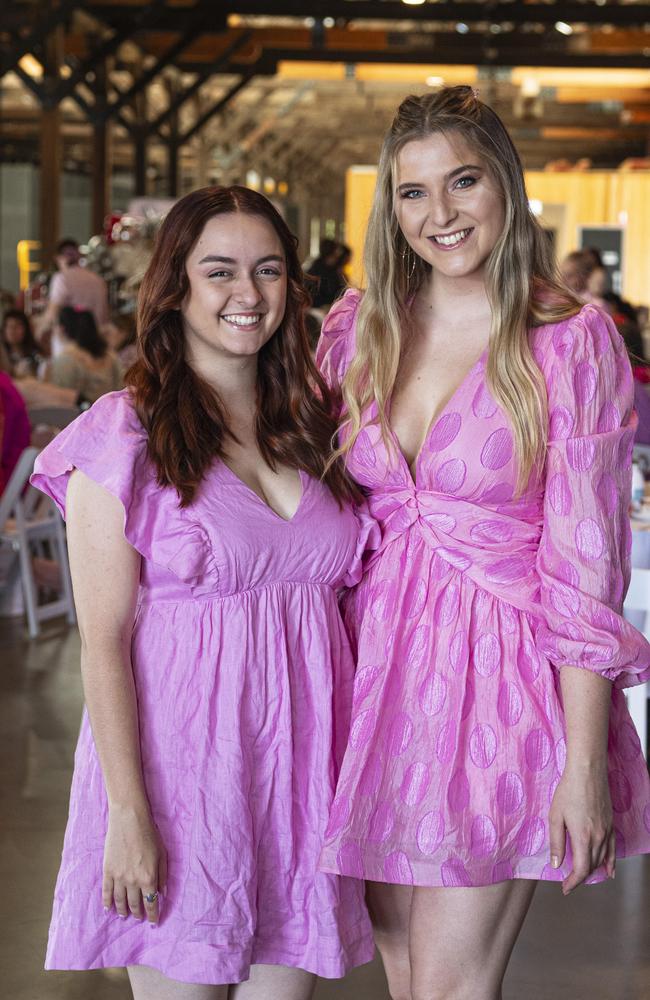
390,911
461,939
272,982
149,984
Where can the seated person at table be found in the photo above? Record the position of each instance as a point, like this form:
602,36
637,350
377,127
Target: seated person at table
120,334
19,344
81,358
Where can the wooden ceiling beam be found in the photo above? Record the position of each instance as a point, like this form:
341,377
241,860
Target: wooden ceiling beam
215,108
200,14
146,16
191,53
217,66
624,15
451,50
30,41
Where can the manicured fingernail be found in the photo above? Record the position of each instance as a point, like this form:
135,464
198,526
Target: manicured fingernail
151,924
106,909
122,916
555,861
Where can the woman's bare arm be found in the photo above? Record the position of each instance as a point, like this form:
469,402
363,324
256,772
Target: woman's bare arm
105,574
582,804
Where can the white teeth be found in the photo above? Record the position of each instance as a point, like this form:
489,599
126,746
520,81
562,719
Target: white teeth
243,320
450,241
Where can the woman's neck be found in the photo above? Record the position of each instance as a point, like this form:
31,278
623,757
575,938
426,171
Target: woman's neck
454,301
233,378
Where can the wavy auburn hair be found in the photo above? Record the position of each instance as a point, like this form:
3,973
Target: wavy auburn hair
185,420
522,284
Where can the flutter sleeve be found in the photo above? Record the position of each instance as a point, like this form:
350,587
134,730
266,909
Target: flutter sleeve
336,344
584,552
109,445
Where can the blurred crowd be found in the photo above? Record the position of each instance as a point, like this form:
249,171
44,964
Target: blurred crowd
327,282
64,357
584,272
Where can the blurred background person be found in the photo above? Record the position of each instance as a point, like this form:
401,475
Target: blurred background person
330,281
327,270
19,344
120,335
575,270
81,358
74,286
626,318
343,259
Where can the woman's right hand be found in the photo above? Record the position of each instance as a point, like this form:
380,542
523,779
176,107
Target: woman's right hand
135,863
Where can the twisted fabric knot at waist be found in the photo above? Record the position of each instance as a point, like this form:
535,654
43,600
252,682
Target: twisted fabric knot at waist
493,547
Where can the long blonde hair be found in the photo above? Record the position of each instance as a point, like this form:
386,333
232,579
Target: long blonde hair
522,285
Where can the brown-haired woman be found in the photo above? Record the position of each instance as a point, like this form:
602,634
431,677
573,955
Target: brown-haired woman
207,542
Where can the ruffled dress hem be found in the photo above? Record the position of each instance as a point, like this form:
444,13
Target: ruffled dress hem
456,875
234,967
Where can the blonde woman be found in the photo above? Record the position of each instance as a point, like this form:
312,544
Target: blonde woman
489,417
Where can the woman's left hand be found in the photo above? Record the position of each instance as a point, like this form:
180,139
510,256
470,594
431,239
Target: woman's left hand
582,808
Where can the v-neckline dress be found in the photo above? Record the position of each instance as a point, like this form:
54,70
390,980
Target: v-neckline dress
470,604
243,673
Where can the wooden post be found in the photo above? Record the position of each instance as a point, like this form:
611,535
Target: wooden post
140,137
172,86
100,176
101,157
51,153
140,162
172,168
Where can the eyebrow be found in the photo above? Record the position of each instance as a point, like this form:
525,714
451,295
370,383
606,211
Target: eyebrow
448,177
212,259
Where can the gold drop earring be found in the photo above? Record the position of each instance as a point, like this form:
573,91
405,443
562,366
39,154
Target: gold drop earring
407,254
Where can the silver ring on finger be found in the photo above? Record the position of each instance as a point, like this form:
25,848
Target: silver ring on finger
150,897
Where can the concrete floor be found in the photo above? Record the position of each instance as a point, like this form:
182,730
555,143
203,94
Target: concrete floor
593,946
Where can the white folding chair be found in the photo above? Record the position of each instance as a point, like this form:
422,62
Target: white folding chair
27,522
638,600
641,454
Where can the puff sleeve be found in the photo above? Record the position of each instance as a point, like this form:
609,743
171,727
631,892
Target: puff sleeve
333,355
584,552
336,345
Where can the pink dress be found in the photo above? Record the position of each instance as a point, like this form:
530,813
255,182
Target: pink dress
469,606
15,428
244,677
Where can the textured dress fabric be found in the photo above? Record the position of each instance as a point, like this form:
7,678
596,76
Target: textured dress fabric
243,674
467,609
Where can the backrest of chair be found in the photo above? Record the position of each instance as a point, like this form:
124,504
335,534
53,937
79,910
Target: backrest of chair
12,496
53,416
638,596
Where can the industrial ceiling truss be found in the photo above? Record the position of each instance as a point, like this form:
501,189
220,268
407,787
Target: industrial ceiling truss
182,77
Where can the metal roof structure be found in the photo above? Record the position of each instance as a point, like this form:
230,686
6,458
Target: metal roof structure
187,91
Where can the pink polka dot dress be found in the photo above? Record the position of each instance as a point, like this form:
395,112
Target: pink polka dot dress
243,673
468,607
